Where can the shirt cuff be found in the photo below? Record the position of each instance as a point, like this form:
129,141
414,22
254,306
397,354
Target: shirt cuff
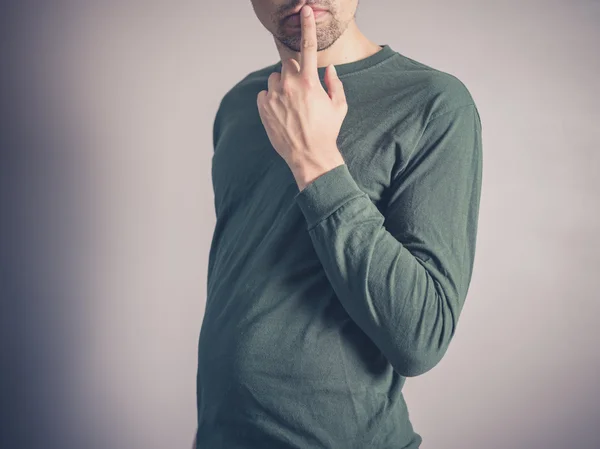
327,193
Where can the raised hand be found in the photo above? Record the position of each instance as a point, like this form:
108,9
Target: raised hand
301,119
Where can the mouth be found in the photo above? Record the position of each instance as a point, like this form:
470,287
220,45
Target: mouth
316,9
294,19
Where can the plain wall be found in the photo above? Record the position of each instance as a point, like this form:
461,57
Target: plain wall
107,215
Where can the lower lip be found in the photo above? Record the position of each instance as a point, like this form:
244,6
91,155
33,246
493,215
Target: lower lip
294,19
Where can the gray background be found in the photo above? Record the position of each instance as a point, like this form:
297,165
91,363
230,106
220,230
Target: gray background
107,216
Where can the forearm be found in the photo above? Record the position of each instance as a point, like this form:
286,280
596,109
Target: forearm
403,274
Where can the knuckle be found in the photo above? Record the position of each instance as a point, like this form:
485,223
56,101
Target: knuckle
307,42
285,87
307,81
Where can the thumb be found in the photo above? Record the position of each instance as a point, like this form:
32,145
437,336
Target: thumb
335,88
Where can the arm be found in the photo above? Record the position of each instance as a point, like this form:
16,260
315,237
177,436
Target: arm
403,277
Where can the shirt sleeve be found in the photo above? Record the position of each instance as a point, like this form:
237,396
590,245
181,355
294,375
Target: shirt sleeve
403,275
216,129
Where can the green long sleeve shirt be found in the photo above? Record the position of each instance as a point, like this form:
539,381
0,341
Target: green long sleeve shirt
321,302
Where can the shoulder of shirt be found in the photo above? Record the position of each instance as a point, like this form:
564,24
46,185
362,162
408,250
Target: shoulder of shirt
441,92
244,92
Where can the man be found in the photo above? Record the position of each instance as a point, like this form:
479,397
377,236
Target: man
347,203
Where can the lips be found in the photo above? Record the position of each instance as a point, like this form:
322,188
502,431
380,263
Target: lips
295,21
315,8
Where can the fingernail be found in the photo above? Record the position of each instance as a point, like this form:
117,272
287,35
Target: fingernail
306,11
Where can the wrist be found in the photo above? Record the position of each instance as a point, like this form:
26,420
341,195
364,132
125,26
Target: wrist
306,172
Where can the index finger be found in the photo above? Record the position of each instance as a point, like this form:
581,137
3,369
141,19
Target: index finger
308,51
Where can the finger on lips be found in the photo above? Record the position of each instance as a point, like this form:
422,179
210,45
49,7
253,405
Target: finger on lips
308,49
